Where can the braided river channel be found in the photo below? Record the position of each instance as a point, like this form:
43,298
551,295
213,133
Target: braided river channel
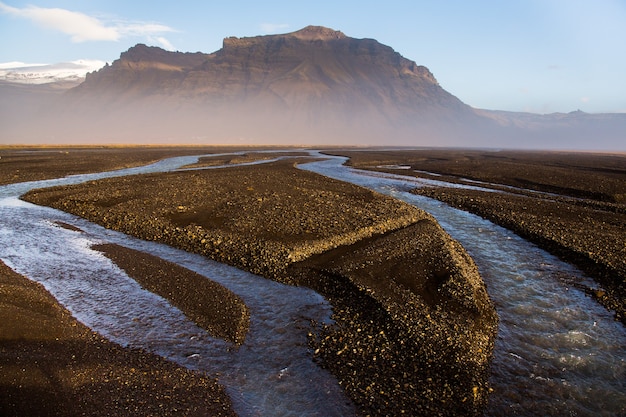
558,352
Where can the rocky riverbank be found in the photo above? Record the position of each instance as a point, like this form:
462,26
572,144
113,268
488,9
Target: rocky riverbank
571,204
414,327
591,238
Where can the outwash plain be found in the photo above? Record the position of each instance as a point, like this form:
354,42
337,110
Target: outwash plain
571,204
414,326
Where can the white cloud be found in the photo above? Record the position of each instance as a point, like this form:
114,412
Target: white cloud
164,43
78,26
142,29
273,27
82,28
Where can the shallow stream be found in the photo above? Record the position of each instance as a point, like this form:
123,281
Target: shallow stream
272,373
558,352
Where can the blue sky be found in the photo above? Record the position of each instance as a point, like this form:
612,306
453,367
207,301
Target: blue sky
539,56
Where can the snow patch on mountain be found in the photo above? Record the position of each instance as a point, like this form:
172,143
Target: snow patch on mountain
23,73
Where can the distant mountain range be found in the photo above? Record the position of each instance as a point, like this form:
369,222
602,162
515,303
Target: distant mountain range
314,86
64,72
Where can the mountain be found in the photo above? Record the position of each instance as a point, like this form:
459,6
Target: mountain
68,73
312,66
573,130
315,84
312,86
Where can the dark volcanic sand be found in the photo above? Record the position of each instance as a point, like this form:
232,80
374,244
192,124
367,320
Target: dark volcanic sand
597,177
248,157
52,365
583,221
415,327
259,218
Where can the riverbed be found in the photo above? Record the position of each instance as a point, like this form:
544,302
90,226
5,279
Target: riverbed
557,353
272,373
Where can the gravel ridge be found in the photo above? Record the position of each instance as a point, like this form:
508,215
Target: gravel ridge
415,328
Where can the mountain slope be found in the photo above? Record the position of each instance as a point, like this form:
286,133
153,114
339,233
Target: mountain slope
314,86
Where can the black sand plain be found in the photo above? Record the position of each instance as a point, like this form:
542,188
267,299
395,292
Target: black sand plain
414,325
21,164
572,204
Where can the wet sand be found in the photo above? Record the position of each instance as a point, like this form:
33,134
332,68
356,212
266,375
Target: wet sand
571,204
414,328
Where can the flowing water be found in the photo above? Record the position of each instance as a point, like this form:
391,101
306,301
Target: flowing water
272,373
557,353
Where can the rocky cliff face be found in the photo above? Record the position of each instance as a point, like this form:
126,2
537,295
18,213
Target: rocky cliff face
315,85
311,65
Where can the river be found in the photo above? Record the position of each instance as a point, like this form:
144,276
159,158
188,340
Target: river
557,353
272,373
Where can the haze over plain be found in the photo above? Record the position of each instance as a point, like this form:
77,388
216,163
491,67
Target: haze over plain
537,56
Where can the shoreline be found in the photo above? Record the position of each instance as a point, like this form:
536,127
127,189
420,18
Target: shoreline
51,364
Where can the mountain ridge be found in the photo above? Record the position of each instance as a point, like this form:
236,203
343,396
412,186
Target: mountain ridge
312,86
319,57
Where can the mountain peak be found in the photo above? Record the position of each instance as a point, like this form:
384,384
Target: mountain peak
313,33
309,33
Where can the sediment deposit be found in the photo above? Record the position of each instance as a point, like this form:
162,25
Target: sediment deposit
211,306
591,238
571,204
52,365
20,164
259,218
414,325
